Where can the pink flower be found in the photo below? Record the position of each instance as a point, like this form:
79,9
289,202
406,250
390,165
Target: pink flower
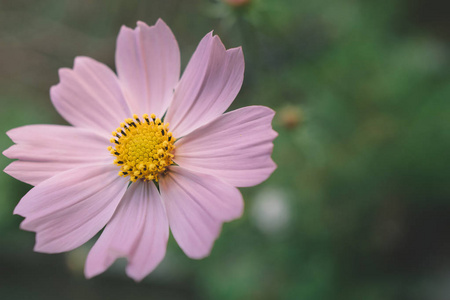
138,181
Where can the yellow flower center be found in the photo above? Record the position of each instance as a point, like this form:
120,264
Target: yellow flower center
143,149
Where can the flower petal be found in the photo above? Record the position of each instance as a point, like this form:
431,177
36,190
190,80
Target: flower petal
209,85
90,96
148,66
197,205
139,230
33,173
67,210
236,147
46,150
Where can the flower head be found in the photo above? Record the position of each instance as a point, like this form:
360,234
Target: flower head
147,151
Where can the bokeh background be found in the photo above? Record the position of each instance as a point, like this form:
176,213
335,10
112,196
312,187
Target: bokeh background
359,205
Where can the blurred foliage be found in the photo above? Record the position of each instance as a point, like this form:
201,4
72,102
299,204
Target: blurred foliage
361,90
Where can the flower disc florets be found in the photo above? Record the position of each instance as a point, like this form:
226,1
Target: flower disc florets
142,148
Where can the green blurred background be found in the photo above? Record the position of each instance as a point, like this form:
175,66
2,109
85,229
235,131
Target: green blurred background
359,205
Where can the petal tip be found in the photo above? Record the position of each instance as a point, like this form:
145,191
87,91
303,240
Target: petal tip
160,22
136,276
237,50
141,24
124,29
160,25
199,255
43,247
8,153
17,211
90,272
10,133
63,72
274,134
7,169
54,90
80,60
208,37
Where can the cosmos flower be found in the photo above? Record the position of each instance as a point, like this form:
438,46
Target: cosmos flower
173,159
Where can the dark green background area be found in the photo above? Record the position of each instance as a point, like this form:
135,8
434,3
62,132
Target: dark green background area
359,206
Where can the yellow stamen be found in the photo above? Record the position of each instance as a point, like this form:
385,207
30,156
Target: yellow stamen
143,148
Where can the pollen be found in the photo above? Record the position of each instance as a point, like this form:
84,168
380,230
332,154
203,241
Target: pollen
143,148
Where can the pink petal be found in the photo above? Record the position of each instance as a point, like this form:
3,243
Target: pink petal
89,96
46,150
209,85
33,173
139,230
67,210
236,147
197,205
148,66
151,248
